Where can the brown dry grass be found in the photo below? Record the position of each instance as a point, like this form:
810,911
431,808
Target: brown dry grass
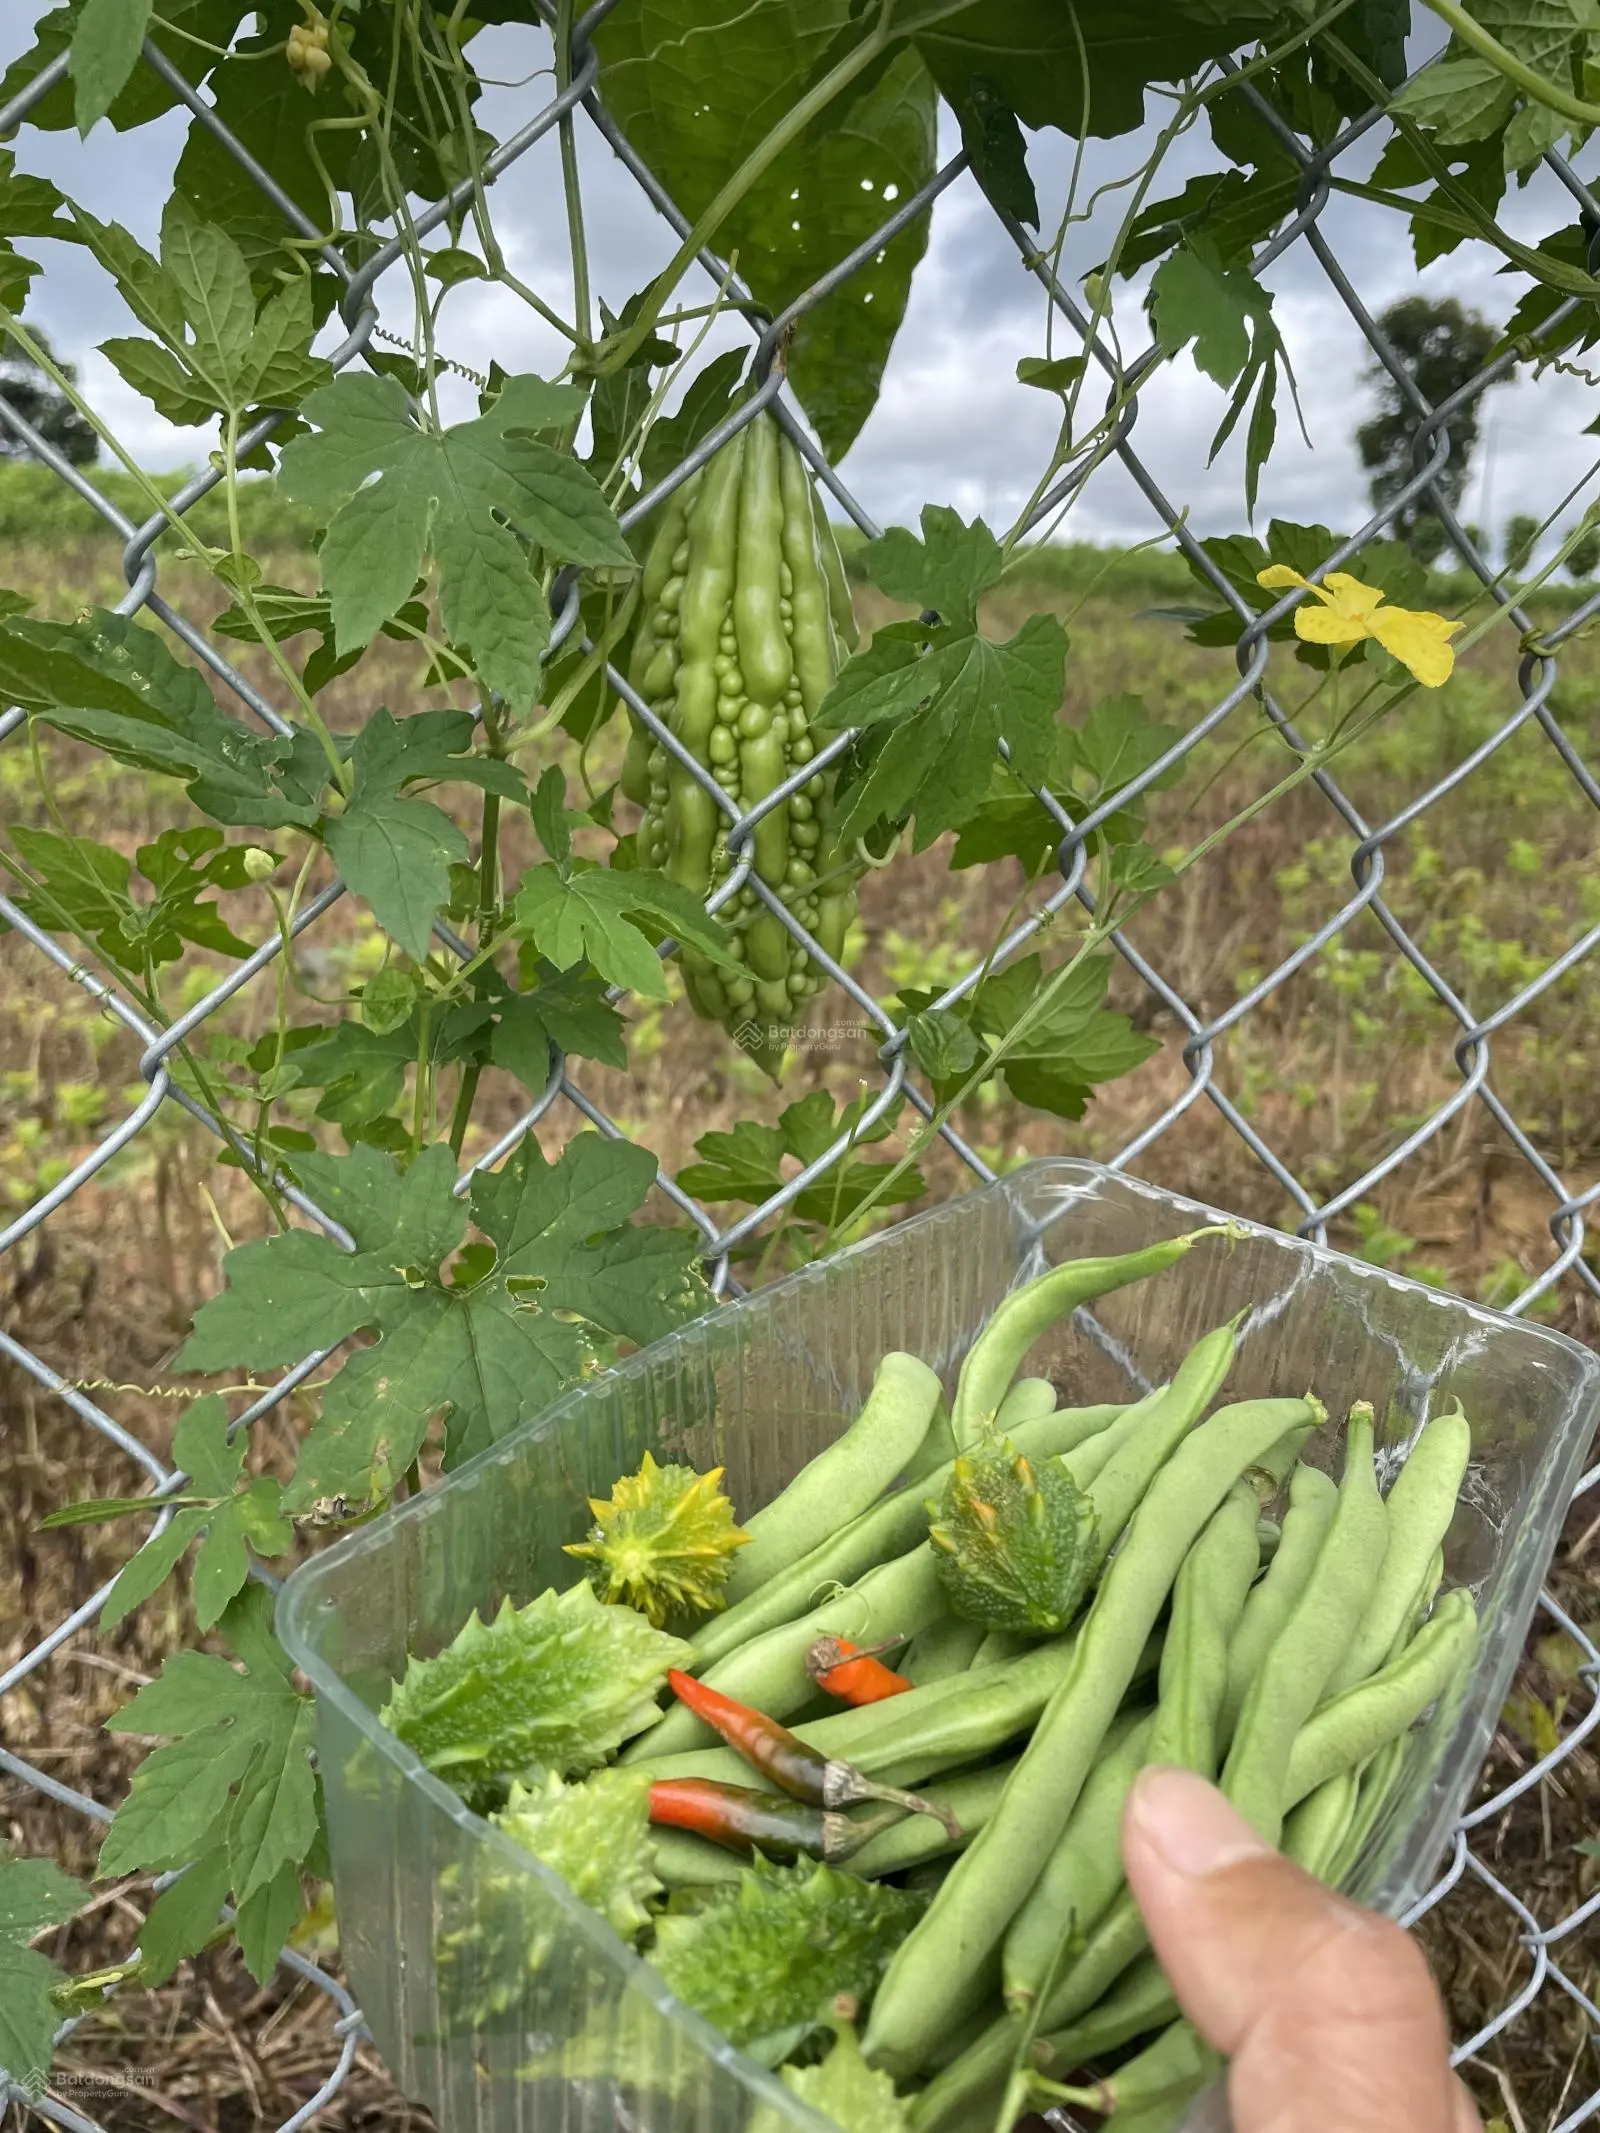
1332,1070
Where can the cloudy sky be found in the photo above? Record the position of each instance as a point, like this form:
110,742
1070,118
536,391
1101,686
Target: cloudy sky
952,424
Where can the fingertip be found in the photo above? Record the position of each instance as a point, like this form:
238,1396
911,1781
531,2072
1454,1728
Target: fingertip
1182,1825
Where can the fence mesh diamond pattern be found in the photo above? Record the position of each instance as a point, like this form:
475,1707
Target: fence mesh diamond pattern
1549,1945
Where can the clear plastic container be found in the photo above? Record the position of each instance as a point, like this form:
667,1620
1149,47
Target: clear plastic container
506,2005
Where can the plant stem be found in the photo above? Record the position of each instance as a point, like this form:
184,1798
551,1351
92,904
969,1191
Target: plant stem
581,306
461,1118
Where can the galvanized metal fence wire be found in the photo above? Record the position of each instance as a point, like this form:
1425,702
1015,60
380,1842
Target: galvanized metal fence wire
1549,1945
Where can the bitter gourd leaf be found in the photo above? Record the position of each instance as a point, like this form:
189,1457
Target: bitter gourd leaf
557,1685
1012,1540
34,1894
764,1960
485,1341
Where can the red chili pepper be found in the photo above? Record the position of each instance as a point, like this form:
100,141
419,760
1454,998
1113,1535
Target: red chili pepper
854,1674
789,1762
742,1820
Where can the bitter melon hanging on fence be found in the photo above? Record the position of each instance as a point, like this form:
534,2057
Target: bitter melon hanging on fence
746,621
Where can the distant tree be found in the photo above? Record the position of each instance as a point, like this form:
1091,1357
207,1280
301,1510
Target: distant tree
1583,558
1441,345
1522,530
40,402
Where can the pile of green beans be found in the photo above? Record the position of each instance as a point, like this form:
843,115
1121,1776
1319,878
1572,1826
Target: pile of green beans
1287,1656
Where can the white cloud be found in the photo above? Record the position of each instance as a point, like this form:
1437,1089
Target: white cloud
952,425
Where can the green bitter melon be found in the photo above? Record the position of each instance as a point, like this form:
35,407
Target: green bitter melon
746,620
1013,1540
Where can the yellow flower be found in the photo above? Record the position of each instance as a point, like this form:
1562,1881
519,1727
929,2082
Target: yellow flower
1351,611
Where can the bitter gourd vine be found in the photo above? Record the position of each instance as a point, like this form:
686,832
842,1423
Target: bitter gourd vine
451,536
746,621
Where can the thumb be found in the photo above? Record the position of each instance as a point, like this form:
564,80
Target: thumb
1327,2012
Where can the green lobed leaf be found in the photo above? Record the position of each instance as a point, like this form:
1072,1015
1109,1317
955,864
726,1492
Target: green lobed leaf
747,1163
948,708
570,1273
391,492
1194,298
261,102
1459,100
34,1895
592,914
667,70
266,1919
396,854
208,24
1028,53
105,680
236,1767
184,1916
948,570
106,42
557,1686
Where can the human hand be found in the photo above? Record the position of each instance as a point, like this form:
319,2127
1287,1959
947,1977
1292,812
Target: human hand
1328,2015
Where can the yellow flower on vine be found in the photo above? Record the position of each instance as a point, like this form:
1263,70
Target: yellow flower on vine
1351,611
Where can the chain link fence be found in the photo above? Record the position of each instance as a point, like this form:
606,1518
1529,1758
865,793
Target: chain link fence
1551,1947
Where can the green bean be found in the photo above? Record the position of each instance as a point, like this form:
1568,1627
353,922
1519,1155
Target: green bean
970,1795
1083,1873
1421,1606
845,1479
1207,1602
1168,2115
1421,1504
1119,1939
1140,2001
985,1888
769,1672
1379,1779
945,1647
1314,1831
888,1529
1021,1317
980,2070
685,1861
999,1646
1175,2067
1312,1500
1085,1461
1301,1662
964,1716
1207,1597
1025,1402
937,1448
1352,1726
1123,1480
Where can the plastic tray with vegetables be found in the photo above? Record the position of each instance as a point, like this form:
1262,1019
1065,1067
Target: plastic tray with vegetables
750,1736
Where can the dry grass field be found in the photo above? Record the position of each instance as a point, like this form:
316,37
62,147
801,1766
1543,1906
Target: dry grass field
1333,1069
